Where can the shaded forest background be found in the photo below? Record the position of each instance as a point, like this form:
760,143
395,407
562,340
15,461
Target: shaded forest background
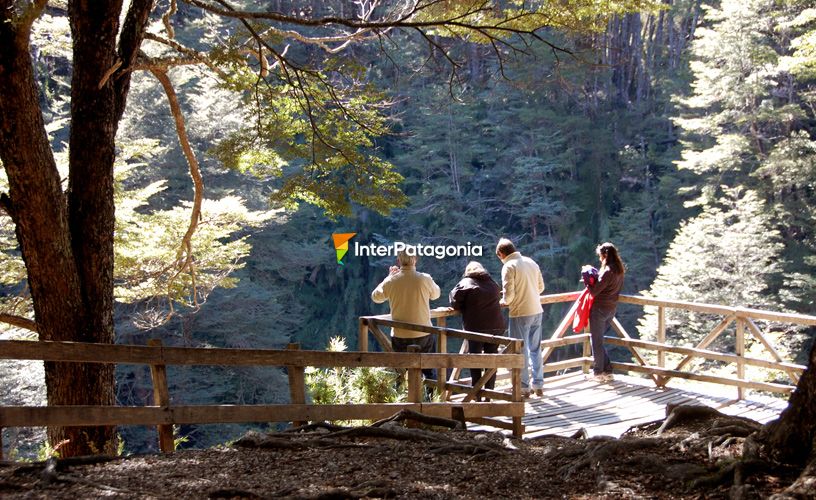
684,136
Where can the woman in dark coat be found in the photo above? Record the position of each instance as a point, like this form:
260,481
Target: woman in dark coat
477,296
605,292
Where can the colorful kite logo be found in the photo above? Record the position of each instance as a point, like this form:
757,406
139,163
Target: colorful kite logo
341,245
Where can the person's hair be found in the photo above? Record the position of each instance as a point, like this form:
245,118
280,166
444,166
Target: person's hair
610,253
505,247
473,268
407,260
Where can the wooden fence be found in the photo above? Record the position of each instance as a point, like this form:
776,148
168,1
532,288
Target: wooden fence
163,414
745,321
446,386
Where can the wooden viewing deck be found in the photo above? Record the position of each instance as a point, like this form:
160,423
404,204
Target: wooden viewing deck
571,403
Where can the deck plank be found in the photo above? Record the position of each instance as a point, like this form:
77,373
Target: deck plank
571,402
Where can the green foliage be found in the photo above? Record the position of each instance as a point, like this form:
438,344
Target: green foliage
342,385
315,132
802,60
727,256
748,127
722,256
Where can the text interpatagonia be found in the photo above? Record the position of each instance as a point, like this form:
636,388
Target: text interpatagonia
418,249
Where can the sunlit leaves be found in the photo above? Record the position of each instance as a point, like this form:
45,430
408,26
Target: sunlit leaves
313,137
147,240
722,256
802,62
792,164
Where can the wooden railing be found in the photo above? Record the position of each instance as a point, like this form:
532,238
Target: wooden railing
743,318
447,386
163,414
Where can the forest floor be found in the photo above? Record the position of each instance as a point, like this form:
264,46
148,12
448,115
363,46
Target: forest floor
689,460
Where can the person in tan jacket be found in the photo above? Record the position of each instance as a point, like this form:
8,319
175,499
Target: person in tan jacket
522,285
408,293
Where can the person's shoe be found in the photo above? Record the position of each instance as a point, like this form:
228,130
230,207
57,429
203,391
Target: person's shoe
525,394
608,377
539,392
599,378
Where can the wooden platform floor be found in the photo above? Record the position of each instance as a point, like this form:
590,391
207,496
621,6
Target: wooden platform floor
571,402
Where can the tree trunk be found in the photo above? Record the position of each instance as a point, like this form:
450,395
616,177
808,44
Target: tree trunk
789,439
67,241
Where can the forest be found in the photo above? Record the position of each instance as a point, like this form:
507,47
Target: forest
683,131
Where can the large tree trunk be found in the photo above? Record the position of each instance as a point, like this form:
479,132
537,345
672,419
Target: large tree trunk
790,438
67,241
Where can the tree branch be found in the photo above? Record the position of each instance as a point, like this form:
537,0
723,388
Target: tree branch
490,30
193,56
30,15
184,262
18,321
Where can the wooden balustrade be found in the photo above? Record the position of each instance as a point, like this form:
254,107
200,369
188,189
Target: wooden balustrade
163,414
743,319
449,386
744,325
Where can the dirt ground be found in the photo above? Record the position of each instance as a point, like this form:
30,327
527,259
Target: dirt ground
686,461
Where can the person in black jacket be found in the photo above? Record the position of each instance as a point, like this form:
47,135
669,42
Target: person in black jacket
605,292
477,297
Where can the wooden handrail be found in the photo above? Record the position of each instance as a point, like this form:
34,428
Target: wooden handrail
739,312
741,316
132,354
38,416
164,414
703,353
438,330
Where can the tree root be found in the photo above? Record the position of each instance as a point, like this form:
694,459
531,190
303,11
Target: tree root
403,415
723,424
604,450
295,439
805,484
677,414
314,426
735,472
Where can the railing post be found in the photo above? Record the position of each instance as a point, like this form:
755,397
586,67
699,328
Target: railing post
587,351
515,377
414,382
362,338
441,347
741,354
661,335
297,384
161,397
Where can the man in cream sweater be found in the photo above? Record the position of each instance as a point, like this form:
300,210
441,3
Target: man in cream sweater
522,285
408,293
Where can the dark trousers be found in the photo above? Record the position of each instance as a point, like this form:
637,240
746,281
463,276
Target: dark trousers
599,321
483,348
426,344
